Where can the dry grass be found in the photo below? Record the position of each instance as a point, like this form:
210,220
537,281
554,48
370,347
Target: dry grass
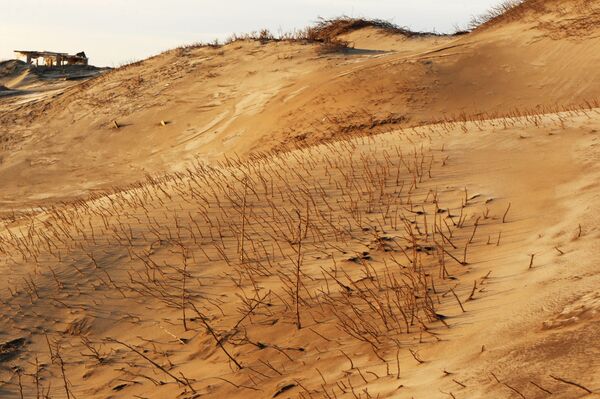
507,10
494,14
329,29
268,226
346,252
325,32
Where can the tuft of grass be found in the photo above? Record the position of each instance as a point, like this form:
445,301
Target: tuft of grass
330,29
506,10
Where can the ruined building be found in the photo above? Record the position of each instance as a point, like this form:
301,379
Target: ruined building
50,58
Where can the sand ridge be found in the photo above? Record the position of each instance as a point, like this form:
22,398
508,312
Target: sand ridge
131,249
308,97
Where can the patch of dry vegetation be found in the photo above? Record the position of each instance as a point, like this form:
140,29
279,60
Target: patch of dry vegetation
329,29
322,241
321,272
507,10
325,32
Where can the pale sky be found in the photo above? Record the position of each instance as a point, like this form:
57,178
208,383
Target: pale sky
113,32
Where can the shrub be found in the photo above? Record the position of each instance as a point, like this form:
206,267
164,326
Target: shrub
495,13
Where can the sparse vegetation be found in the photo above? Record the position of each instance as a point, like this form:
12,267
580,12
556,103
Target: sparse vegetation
329,29
506,10
325,32
374,300
373,305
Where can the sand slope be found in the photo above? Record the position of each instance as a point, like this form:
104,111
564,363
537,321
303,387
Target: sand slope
290,95
369,222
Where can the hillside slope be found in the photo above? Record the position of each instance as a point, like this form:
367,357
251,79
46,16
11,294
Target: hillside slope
253,96
448,260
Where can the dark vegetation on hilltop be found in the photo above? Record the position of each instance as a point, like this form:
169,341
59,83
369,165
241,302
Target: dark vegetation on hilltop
326,32
328,29
514,10
508,10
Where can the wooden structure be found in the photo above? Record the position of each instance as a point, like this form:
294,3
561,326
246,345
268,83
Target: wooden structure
51,58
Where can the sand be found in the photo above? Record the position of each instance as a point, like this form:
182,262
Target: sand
434,236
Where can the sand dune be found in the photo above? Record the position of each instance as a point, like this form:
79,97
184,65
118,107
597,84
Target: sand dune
412,217
290,95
